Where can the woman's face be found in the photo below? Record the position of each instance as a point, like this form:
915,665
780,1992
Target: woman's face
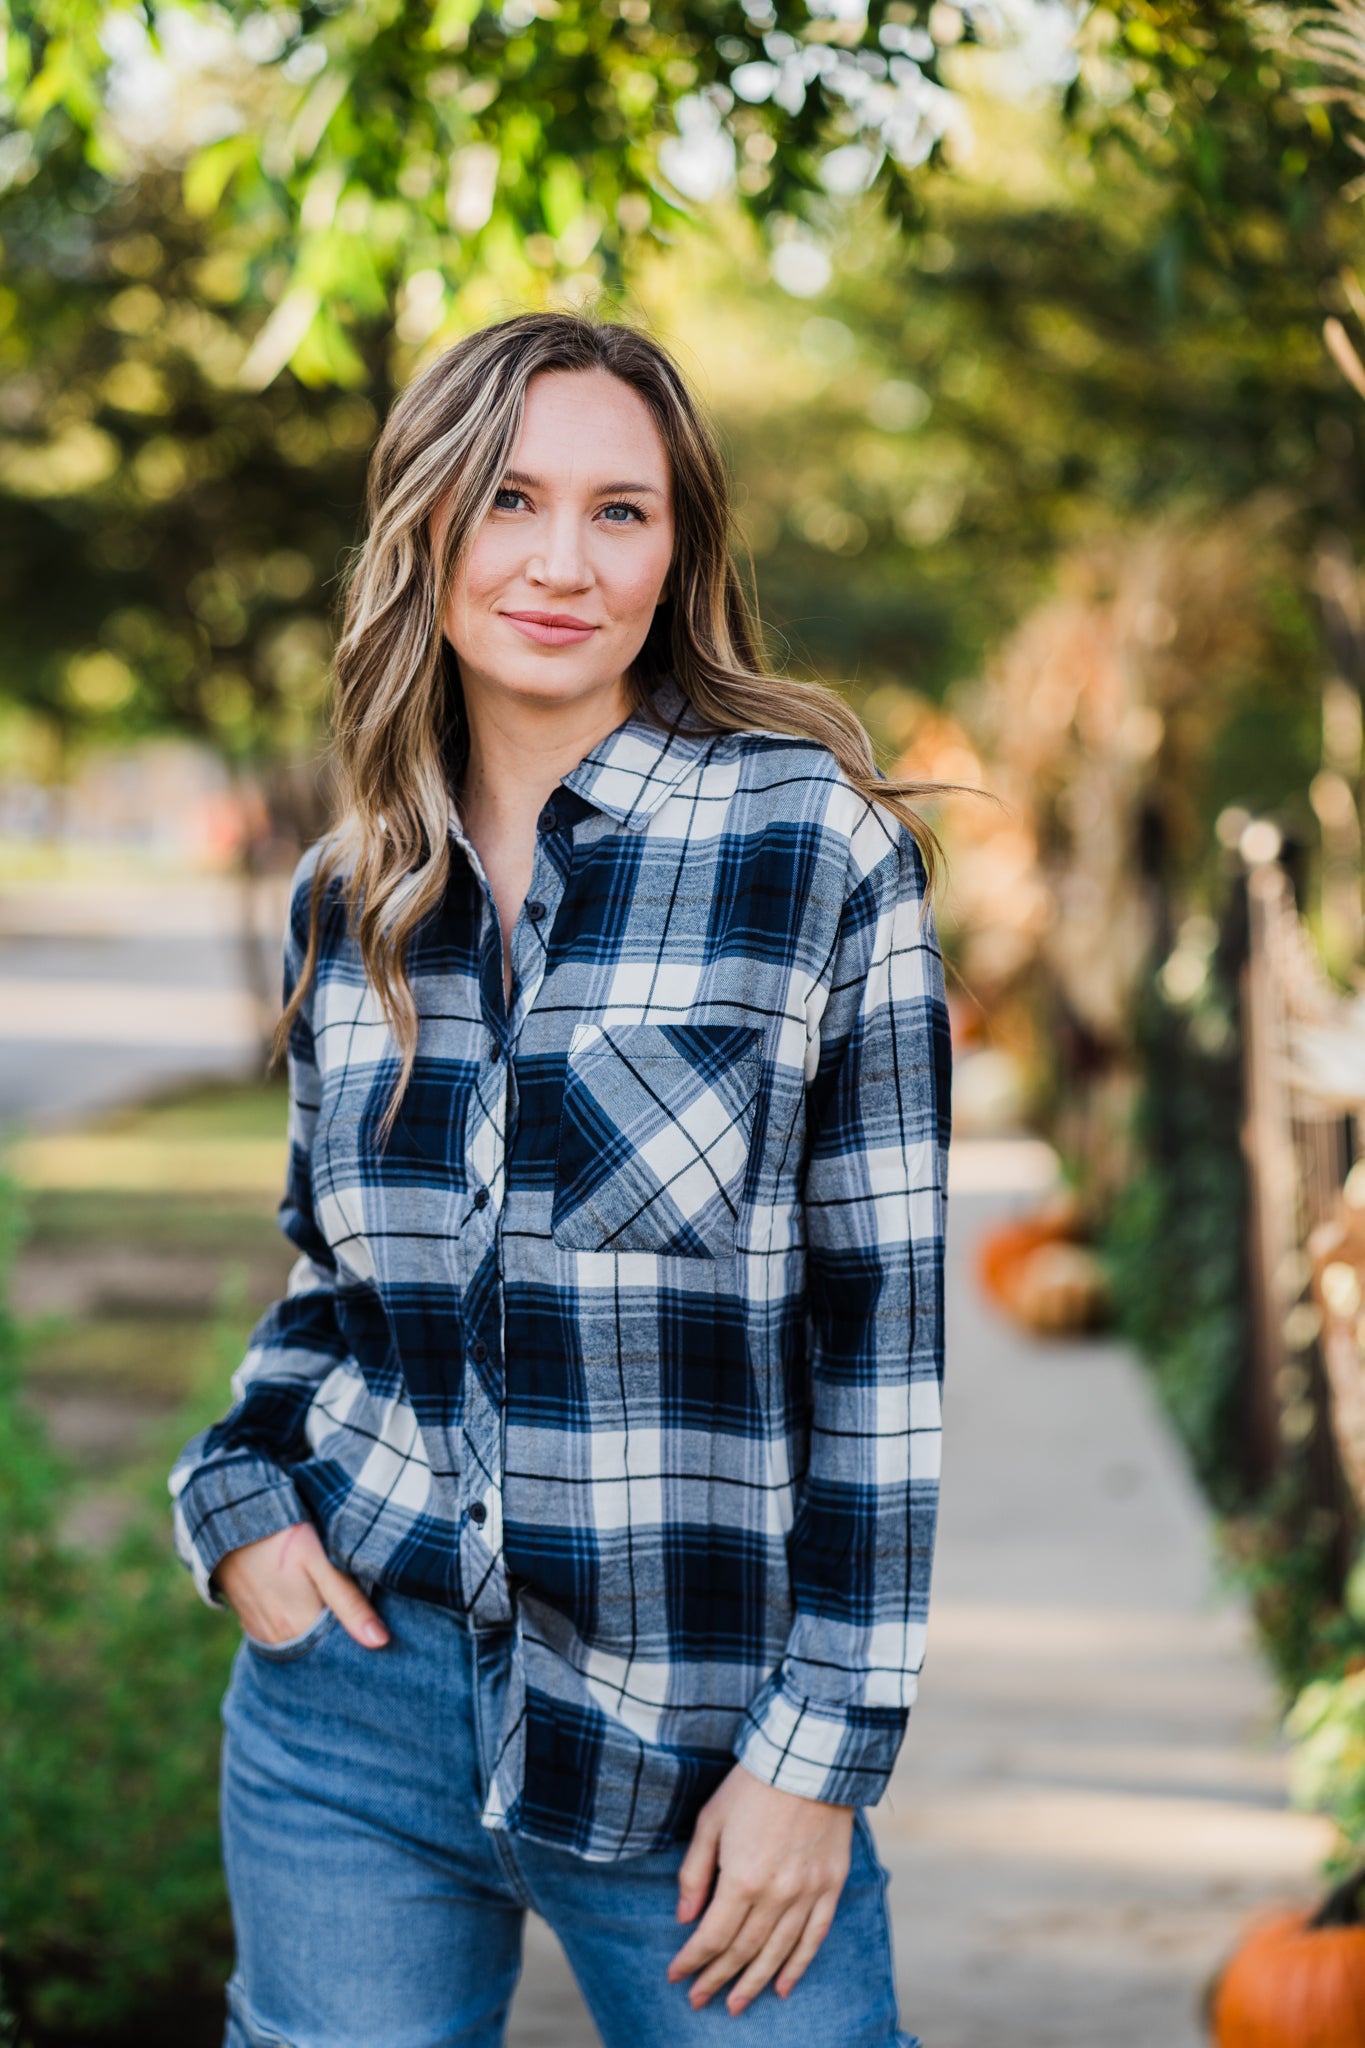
560,583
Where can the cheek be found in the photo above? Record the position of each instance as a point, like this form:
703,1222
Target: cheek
635,584
486,566
477,584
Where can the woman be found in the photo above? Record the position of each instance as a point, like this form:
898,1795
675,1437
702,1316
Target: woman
578,1502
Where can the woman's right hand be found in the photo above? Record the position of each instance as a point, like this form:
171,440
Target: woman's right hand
279,1586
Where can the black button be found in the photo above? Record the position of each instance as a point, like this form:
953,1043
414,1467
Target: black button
549,818
478,1514
478,1351
535,910
495,1052
481,1198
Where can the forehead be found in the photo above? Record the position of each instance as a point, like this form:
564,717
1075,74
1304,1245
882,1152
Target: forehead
577,417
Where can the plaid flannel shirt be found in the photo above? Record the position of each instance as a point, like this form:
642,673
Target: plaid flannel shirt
631,1338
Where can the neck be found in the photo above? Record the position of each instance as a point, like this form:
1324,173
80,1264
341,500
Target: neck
520,750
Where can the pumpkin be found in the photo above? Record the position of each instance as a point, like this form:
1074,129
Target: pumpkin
1034,1268
1058,1287
1298,1980
1001,1250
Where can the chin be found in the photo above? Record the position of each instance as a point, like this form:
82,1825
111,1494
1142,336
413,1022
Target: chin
553,682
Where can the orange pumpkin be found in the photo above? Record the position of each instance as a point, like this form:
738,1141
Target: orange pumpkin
1058,1287
1001,1250
1036,1268
1298,1980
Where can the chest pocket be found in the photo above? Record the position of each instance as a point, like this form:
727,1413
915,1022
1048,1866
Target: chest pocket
654,1138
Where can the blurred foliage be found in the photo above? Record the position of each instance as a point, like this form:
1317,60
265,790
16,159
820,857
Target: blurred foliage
1327,1727
1182,1217
1099,314
111,1892
1282,1554
328,189
1175,1244
372,143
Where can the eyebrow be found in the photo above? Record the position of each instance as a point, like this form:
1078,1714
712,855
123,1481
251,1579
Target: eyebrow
535,483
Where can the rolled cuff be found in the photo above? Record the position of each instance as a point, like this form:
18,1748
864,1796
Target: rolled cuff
840,1754
222,1506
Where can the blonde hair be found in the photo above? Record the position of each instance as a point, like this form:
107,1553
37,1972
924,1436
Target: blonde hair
396,722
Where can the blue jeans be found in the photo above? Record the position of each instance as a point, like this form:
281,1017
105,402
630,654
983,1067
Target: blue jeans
373,1910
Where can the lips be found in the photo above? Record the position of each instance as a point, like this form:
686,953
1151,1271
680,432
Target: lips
551,629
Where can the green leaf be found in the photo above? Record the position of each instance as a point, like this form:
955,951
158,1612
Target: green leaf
450,22
18,63
208,175
561,194
1140,35
51,85
327,355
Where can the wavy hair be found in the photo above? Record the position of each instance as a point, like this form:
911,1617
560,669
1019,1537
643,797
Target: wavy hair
397,724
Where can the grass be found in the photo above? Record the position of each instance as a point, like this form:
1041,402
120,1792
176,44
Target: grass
136,1223
213,1224
216,1142
149,1246
145,1355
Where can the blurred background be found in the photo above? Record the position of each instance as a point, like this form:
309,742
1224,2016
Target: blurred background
1033,330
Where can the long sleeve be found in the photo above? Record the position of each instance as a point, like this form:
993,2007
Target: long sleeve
231,1484
829,1721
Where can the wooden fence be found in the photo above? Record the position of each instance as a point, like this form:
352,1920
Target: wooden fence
1304,1054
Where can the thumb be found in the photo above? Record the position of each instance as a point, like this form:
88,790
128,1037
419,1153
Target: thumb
347,1603
698,1866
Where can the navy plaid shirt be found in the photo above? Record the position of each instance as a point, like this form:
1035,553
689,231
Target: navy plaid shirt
631,1338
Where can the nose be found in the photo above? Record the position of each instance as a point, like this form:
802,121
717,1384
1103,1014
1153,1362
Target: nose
559,560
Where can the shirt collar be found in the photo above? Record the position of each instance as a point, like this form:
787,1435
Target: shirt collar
629,774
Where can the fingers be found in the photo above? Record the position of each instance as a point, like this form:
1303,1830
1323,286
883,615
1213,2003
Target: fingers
697,1872
347,1602
775,1950
754,1940
271,1586
817,1927
720,1924
781,1861
271,1601
748,1941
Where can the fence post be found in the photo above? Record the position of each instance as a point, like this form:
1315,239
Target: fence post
1267,1151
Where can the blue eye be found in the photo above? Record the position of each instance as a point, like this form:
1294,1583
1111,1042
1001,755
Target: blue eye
505,492
632,512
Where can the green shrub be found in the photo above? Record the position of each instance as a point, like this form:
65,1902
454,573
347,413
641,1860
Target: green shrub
1327,1766
1175,1242
111,1893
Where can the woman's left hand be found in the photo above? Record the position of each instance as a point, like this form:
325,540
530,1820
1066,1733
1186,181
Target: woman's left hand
782,1864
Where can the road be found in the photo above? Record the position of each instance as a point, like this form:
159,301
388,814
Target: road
110,990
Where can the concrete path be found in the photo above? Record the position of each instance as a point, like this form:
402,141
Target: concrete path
1090,1800
109,991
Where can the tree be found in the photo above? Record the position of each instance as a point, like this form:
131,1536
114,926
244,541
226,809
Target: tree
230,230
1074,329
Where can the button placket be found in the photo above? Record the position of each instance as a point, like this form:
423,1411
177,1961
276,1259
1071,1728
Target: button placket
531,935
482,1577
482,1569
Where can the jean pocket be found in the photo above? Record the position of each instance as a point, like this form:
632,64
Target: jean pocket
654,1138
293,1646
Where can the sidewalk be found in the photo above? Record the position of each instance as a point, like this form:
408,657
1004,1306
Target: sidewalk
109,991
1089,1801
